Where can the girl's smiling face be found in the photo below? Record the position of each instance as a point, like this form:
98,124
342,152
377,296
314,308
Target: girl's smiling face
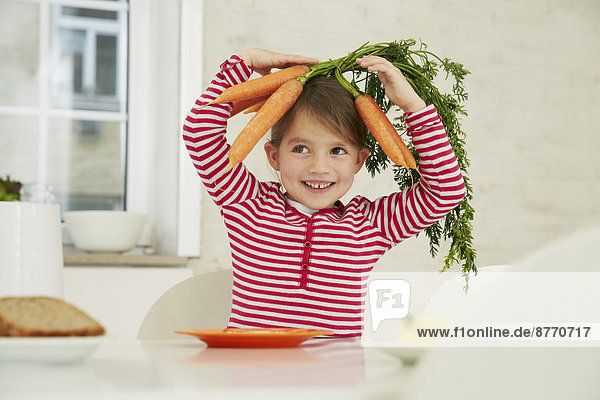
316,165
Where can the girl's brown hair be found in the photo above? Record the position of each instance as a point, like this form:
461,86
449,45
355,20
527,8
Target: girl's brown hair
328,101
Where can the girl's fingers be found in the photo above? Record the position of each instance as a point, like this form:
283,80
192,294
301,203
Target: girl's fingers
263,60
397,88
384,69
373,63
301,59
369,60
282,61
287,60
378,68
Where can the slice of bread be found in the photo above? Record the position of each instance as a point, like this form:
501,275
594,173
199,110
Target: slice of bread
44,316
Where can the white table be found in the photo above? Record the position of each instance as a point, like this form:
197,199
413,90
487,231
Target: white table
187,369
321,369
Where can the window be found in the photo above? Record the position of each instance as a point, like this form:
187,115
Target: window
63,113
90,94
88,58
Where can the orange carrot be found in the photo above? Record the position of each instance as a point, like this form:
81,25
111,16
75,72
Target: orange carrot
408,157
242,105
383,131
254,108
260,86
273,109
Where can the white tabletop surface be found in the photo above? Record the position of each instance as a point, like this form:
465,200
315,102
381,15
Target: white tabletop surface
319,369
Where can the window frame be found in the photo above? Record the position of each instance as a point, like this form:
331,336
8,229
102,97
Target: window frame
177,23
190,81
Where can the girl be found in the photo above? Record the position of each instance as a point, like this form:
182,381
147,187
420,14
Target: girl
301,258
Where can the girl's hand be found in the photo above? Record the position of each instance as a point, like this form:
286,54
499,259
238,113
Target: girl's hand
397,88
263,60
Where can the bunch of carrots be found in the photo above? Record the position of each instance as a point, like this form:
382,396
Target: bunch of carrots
272,95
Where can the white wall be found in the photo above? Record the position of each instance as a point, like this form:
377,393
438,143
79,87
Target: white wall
532,134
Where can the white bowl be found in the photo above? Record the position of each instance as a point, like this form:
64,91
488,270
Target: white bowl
104,231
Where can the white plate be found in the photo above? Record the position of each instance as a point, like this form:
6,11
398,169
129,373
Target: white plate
65,349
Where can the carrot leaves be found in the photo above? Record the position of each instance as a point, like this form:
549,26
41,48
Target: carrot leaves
421,68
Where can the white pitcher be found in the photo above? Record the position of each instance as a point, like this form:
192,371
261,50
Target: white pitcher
31,260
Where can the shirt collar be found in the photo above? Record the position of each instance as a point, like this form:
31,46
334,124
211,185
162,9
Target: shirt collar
337,207
300,207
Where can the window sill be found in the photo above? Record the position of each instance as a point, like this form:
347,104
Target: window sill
146,260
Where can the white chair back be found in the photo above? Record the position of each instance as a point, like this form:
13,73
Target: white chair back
200,302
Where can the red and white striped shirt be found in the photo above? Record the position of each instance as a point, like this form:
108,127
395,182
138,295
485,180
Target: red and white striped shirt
296,270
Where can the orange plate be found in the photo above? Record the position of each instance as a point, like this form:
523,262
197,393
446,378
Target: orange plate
259,337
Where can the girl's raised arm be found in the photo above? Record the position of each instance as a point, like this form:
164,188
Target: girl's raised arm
441,187
204,137
205,125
